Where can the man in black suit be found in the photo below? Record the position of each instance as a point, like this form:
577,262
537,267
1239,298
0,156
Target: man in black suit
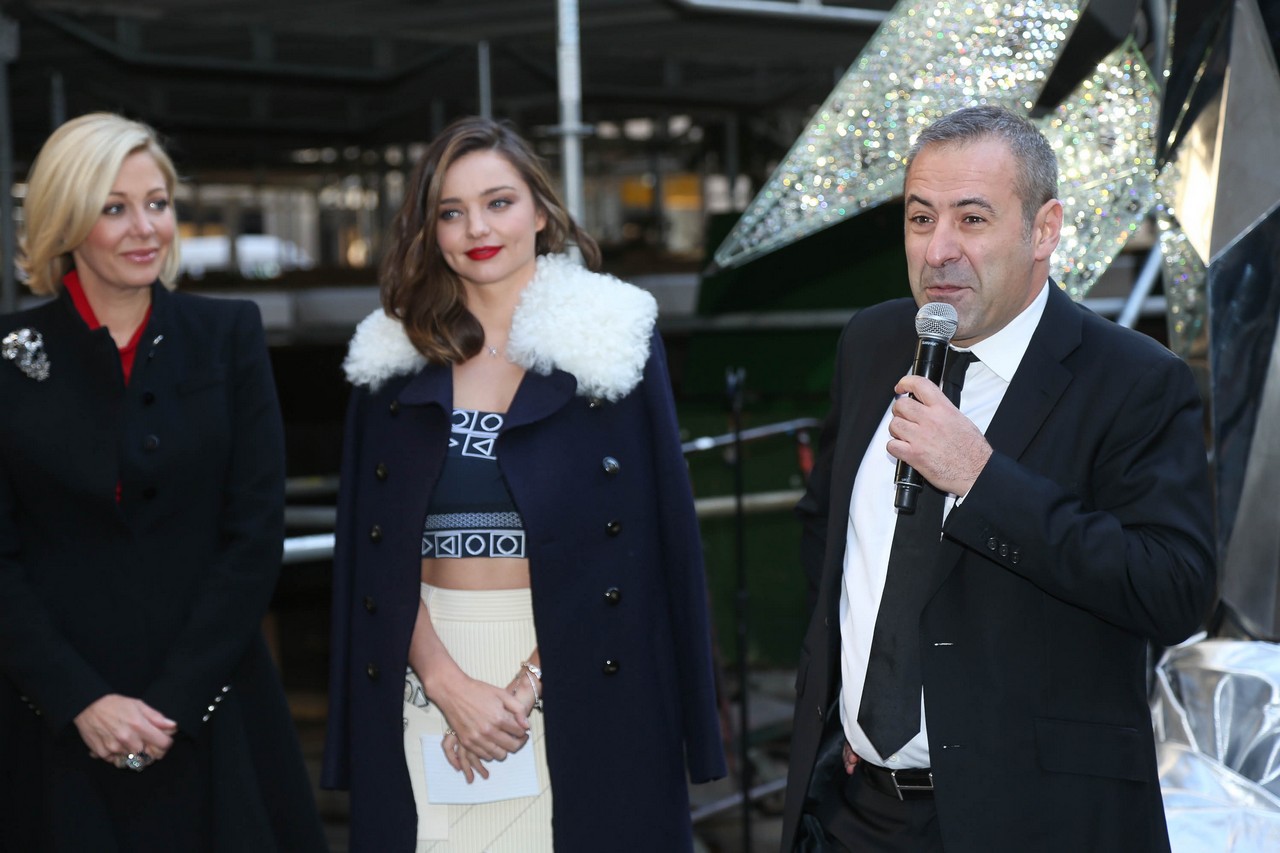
1073,482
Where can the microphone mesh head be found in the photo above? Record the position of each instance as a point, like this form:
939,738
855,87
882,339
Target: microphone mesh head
937,320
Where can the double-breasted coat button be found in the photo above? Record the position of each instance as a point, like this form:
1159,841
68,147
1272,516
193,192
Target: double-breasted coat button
609,667
610,465
381,471
394,407
150,443
992,544
613,528
370,604
1015,556
594,402
371,670
613,595
375,533
148,397
1004,550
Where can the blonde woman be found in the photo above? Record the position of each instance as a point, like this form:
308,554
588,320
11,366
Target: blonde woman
518,586
141,471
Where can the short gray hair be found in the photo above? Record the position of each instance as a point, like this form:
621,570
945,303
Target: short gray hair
1037,179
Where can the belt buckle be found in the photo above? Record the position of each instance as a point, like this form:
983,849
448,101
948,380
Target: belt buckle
899,787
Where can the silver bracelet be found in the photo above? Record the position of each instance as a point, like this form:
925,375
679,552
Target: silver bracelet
530,672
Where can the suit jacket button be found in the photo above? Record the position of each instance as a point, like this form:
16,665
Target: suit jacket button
372,671
151,443
821,713
370,604
1015,556
612,595
610,667
610,465
1004,550
613,528
992,544
148,397
375,533
149,493
381,471
394,408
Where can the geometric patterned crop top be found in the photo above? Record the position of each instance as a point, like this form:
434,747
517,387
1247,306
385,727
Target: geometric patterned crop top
472,513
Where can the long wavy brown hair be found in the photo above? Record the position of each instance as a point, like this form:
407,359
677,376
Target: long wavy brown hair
418,286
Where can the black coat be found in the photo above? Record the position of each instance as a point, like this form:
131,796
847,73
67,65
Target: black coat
158,596
1086,536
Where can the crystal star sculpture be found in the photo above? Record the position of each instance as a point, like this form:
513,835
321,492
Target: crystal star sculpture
1104,134
1185,273
927,59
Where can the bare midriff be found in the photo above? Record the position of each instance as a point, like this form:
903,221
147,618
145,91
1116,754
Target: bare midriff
476,573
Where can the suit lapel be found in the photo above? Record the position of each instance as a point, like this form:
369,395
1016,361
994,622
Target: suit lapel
1041,378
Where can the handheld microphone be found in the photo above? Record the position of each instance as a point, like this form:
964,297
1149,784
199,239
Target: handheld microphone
936,323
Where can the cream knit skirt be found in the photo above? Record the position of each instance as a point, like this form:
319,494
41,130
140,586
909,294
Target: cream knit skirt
488,633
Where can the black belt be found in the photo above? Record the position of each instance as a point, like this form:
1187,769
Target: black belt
913,784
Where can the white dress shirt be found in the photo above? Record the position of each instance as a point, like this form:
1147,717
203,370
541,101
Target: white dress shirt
872,517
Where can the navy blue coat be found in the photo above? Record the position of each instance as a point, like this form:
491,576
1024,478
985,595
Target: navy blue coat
159,596
619,601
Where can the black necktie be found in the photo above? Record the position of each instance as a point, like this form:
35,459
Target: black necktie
890,708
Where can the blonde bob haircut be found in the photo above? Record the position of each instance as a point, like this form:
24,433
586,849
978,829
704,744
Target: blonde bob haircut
68,186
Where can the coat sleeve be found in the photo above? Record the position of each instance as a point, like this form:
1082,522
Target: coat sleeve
1133,547
227,611
337,750
42,663
685,577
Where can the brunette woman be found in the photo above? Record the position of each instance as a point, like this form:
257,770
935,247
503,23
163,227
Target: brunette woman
518,581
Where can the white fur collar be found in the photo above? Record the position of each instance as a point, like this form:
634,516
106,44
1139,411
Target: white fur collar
590,325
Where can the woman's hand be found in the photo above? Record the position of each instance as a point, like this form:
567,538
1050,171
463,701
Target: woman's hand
116,725
489,723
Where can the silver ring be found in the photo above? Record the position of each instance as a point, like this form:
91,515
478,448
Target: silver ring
136,761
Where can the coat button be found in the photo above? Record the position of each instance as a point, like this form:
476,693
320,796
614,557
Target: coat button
612,595
370,604
610,465
151,443
610,667
381,471
613,528
375,533
149,493
594,403
1004,550
992,544
148,397
394,408
372,671
1015,557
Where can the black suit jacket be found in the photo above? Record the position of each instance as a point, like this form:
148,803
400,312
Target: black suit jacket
159,596
1086,535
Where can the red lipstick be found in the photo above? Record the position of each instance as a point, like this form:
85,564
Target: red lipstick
483,253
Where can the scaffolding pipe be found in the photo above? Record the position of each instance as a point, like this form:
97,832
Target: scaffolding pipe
486,79
569,67
806,10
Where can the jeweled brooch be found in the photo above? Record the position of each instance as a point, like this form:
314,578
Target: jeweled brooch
25,348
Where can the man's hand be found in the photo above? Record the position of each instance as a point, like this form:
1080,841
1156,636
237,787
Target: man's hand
932,436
